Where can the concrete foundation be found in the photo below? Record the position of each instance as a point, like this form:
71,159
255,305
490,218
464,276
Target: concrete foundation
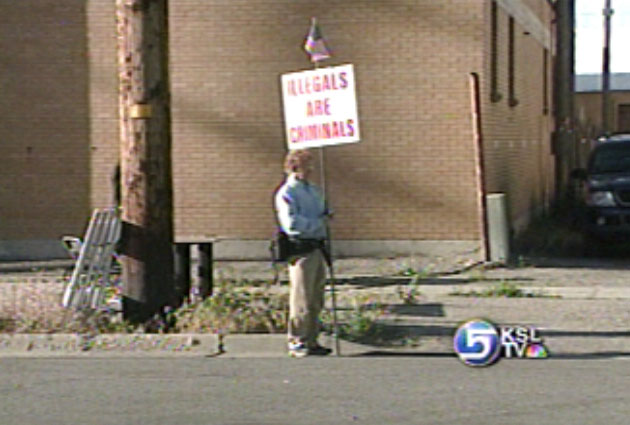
41,250
32,250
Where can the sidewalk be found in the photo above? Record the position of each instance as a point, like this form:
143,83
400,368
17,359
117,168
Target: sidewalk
582,308
571,278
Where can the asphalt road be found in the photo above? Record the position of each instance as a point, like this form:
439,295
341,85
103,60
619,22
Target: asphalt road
361,390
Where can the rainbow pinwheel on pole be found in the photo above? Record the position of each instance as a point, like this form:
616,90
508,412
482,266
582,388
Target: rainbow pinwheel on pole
314,45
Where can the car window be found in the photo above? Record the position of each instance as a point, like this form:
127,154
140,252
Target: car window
611,159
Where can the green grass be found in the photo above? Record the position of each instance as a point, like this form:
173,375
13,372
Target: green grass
236,306
410,294
235,309
414,273
360,321
503,289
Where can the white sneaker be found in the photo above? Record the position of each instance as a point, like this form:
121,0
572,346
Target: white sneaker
297,349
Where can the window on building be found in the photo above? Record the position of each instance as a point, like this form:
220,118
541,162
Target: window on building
545,84
512,101
623,118
495,96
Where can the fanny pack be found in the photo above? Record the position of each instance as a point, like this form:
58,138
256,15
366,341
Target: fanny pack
305,246
284,247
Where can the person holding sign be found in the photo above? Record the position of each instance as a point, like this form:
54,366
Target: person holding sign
301,213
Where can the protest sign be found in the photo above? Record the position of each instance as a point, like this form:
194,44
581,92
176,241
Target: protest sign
320,107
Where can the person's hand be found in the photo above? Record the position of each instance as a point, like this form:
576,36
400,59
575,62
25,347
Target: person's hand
328,213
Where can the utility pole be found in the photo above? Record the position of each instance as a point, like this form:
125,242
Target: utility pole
145,149
606,71
564,142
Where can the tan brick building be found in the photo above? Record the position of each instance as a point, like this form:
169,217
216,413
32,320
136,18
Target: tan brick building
408,186
588,101
588,109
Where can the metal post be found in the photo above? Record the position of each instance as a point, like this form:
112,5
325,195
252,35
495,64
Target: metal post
322,169
498,228
606,71
182,272
333,295
479,164
205,270
563,96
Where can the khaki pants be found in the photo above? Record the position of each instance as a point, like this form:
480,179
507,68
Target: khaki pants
307,275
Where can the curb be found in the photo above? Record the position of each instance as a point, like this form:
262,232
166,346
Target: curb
243,346
29,266
108,344
199,345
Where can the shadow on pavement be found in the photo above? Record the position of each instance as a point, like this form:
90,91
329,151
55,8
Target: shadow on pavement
380,353
553,356
589,356
394,331
364,282
397,330
372,281
420,310
602,263
588,334
424,310
398,336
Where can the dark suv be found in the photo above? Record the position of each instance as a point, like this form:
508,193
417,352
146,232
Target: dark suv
606,190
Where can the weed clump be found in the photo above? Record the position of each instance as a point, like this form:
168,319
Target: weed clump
503,289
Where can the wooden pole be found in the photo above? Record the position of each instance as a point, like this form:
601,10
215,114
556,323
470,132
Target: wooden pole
146,198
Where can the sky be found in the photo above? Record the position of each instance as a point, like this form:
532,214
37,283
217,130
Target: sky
589,36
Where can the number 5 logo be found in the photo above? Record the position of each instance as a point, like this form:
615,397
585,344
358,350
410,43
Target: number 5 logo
476,342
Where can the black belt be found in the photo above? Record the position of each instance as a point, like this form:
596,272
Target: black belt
308,240
305,246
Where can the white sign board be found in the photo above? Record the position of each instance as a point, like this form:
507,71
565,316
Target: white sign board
320,107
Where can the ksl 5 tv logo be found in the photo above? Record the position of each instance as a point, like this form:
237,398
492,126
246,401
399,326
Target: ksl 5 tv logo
479,342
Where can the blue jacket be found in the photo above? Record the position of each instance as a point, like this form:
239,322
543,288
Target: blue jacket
300,209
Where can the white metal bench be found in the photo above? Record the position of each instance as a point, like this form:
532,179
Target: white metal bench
94,258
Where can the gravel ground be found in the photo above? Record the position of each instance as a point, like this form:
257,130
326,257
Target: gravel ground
436,313
375,274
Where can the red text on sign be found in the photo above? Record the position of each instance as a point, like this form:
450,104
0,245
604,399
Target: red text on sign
318,107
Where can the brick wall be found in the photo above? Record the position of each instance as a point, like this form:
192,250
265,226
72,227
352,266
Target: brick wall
588,106
517,138
103,100
44,128
411,177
